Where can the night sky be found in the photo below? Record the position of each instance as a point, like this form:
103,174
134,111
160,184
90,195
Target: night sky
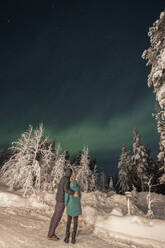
76,66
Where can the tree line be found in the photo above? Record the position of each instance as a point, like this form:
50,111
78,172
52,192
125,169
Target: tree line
35,164
140,168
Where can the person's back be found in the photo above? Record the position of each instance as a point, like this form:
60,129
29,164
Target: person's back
64,186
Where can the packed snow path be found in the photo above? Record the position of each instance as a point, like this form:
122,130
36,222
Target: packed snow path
23,230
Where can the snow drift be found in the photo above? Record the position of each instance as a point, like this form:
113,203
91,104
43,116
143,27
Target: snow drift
133,230
105,215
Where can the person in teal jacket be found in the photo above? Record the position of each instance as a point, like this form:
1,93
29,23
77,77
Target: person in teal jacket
73,210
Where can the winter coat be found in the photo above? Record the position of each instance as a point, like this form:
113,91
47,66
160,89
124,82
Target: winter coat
64,186
73,204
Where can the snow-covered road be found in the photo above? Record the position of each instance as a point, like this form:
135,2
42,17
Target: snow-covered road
19,229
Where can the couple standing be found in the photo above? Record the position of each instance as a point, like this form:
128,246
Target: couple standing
69,195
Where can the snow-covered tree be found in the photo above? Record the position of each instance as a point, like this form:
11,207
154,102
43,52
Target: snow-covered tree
155,56
153,168
93,179
15,170
149,200
125,175
111,184
83,173
53,146
28,185
46,162
23,170
2,153
58,171
140,161
162,177
102,181
77,159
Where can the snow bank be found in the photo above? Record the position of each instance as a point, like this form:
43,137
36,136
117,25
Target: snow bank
103,213
15,199
133,230
12,200
98,204
157,206
93,204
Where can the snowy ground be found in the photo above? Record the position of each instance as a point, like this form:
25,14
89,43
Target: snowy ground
21,230
24,222
22,227
133,230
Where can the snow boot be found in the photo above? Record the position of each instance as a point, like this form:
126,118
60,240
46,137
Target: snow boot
73,241
54,237
66,240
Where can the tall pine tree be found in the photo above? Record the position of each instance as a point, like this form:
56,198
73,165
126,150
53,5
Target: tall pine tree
125,177
83,173
155,56
140,161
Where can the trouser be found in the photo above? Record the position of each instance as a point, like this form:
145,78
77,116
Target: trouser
59,210
75,224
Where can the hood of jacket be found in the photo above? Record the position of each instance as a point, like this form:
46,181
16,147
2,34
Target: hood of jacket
74,186
68,172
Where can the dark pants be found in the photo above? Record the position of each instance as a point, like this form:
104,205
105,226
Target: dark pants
59,210
75,224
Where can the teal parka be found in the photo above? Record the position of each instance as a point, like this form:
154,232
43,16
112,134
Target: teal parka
73,204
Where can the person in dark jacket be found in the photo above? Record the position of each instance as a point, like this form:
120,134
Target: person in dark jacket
73,209
64,186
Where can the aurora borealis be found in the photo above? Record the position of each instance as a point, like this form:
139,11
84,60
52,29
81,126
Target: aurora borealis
76,66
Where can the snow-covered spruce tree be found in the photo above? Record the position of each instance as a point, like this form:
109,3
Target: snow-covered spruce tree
67,160
111,184
58,170
77,159
22,170
162,177
93,179
46,162
57,151
102,182
155,56
140,161
125,177
83,173
2,157
153,168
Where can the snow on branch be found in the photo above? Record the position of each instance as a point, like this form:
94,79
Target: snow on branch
31,165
